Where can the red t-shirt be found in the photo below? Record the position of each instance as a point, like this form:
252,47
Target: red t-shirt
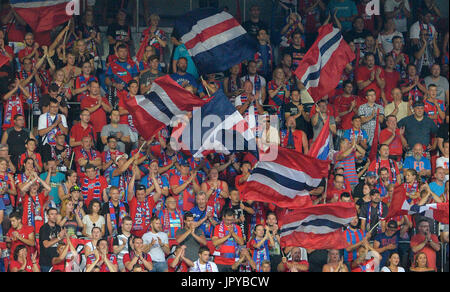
431,253
396,147
18,265
78,132
126,259
92,155
103,268
227,251
141,217
10,52
392,81
343,104
363,74
182,268
24,52
23,232
25,156
91,189
98,118
188,193
28,202
383,163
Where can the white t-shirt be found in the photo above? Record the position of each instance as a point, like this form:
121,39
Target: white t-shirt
401,23
262,82
44,123
442,162
414,32
124,251
202,268
386,40
386,269
156,252
89,224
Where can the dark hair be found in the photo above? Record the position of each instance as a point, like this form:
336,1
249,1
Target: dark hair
181,59
100,240
296,32
370,90
188,215
382,145
397,37
16,116
90,166
346,195
93,81
367,55
54,100
382,169
111,137
122,46
228,212
25,162
53,87
127,218
152,58
132,82
355,117
271,213
51,209
346,82
432,85
153,219
202,249
91,204
15,215
69,173
390,116
17,250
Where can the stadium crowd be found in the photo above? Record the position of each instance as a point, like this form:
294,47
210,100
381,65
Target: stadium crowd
81,190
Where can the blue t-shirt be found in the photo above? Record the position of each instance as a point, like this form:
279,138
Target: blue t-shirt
385,240
422,164
55,182
437,189
347,8
182,51
145,181
348,134
2,208
180,79
199,215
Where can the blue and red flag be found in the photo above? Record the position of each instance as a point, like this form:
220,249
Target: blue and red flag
317,227
43,15
215,40
321,147
217,127
321,69
286,181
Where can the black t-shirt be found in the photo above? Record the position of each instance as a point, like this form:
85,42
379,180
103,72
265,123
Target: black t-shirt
80,59
252,28
443,132
238,212
302,124
47,254
119,33
16,141
357,37
296,54
47,152
317,259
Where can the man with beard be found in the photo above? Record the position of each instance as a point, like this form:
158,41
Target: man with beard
116,129
383,182
355,238
156,244
418,162
296,264
60,152
372,212
31,49
204,216
385,161
370,76
370,180
394,138
183,78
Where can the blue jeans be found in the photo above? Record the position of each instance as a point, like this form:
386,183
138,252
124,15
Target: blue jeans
160,267
45,269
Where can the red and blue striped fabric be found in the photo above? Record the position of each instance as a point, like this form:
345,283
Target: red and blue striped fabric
287,180
353,237
321,68
321,147
215,39
166,100
317,227
42,15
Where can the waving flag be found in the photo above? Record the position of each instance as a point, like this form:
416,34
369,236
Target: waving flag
322,67
317,227
153,111
321,147
287,180
42,15
218,126
400,206
214,39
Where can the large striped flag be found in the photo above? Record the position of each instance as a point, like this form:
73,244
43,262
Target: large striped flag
215,39
166,100
400,206
317,227
218,126
42,15
287,180
321,147
322,66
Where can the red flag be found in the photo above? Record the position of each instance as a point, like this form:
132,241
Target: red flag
440,214
238,11
317,227
142,47
374,149
42,15
399,205
321,68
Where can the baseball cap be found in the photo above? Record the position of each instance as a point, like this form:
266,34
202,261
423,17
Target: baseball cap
371,174
392,224
75,189
374,191
121,156
418,103
141,188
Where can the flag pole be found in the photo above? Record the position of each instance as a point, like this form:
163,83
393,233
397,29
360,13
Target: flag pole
379,221
206,87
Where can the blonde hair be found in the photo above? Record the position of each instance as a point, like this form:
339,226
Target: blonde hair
64,207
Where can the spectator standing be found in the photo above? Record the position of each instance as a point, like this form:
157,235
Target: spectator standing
398,108
427,243
440,81
373,212
156,244
49,236
254,24
191,237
